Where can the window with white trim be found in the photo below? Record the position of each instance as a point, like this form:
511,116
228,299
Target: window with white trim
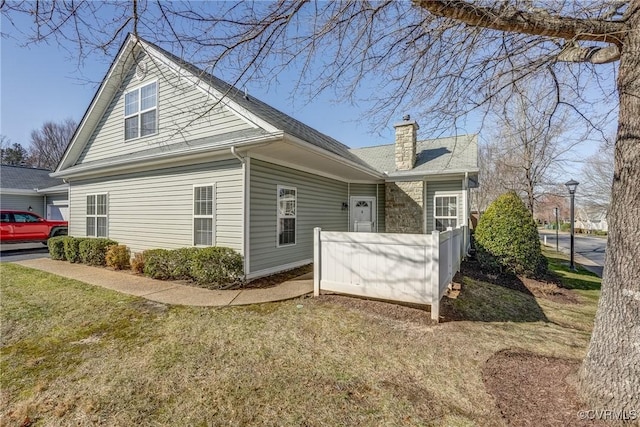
203,211
287,207
141,111
97,222
445,212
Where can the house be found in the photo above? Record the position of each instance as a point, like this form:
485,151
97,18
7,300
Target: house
169,156
30,189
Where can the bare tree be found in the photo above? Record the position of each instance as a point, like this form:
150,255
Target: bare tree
49,142
597,177
442,58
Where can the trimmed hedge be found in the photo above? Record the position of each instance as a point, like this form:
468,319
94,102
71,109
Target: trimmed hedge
118,257
210,267
94,251
72,248
157,264
507,238
216,266
56,248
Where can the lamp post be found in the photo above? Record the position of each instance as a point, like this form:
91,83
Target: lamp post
571,186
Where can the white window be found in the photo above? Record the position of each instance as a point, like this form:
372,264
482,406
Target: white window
97,215
445,212
203,210
141,111
287,207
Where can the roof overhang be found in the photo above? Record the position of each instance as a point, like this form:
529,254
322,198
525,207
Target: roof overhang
62,188
19,191
173,158
435,175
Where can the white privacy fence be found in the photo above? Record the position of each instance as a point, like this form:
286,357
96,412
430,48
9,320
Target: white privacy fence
415,268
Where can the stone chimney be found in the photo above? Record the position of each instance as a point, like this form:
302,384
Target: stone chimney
406,135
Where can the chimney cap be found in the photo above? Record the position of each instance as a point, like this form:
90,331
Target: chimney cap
406,117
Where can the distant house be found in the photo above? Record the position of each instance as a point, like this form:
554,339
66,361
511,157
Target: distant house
30,189
169,156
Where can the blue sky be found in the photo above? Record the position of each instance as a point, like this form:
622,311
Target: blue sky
42,83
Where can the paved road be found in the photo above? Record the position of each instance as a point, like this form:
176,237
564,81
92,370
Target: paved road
22,251
591,247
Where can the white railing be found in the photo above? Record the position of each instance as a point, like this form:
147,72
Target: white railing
415,268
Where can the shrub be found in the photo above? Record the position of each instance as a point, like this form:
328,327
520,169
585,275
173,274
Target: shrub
94,251
137,263
180,262
507,238
72,247
565,226
157,264
118,257
56,247
216,266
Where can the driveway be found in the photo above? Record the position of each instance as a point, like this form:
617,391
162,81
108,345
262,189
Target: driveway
22,251
593,248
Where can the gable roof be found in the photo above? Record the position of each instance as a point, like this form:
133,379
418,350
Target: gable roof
433,156
26,178
275,120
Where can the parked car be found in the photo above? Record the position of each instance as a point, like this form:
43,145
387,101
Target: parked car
27,227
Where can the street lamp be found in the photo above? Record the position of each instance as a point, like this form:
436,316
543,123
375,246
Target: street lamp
571,186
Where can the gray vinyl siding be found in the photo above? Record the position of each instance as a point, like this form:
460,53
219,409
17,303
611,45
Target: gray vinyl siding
371,190
22,203
184,113
155,209
319,204
438,188
58,198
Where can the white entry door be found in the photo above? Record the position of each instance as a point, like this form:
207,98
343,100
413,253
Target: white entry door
363,214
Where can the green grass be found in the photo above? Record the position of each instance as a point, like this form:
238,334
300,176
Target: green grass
72,353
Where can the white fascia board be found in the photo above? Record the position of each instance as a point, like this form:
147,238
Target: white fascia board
210,91
153,161
321,151
19,191
62,188
429,176
98,105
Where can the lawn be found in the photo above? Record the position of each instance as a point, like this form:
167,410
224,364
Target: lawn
77,354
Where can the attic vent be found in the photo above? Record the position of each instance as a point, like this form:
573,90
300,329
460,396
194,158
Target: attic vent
141,70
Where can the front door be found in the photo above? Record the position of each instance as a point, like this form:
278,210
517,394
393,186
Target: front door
363,214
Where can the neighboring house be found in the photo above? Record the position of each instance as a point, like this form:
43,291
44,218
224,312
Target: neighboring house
168,156
592,219
30,189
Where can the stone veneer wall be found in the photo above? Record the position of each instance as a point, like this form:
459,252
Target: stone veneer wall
405,154
404,207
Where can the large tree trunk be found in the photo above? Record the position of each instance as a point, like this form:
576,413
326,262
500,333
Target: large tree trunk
610,374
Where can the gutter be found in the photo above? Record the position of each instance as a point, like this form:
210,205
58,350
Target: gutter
236,155
164,158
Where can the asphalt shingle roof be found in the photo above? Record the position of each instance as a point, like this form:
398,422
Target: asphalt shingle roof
26,178
268,113
452,154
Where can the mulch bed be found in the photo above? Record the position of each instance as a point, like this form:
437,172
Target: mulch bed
276,279
548,288
534,390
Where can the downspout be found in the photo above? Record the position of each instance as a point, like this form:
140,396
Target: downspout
245,213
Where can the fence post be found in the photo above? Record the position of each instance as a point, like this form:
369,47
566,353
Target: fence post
435,275
317,259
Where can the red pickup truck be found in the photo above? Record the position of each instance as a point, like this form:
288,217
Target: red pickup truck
27,227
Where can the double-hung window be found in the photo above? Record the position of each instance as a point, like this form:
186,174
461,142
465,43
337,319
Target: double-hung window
287,209
446,212
141,111
97,215
203,214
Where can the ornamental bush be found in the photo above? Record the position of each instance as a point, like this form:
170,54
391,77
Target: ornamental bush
56,248
72,248
137,263
507,239
118,257
94,251
180,263
216,266
157,264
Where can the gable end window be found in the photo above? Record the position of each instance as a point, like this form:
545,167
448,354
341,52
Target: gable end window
141,111
287,213
445,212
97,223
203,215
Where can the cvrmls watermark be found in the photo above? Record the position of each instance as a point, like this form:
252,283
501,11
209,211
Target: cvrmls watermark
609,415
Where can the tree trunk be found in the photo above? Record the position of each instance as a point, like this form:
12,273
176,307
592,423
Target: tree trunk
610,374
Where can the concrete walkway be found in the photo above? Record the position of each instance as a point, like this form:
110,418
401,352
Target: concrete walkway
171,292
